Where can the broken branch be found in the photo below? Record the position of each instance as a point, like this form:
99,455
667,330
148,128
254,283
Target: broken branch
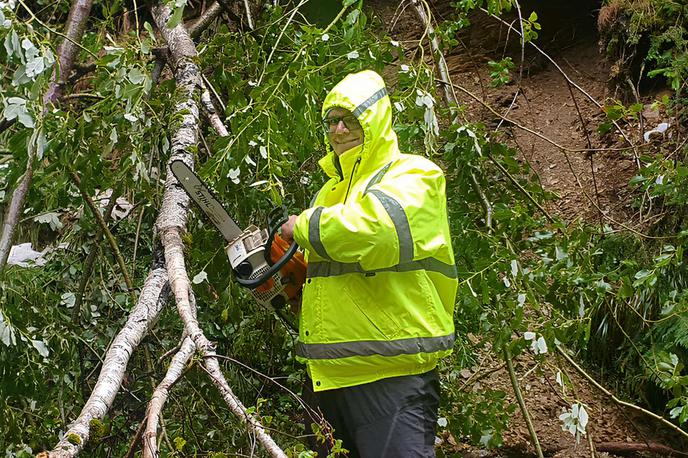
153,298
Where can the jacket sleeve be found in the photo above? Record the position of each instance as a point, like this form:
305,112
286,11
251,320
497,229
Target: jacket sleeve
386,226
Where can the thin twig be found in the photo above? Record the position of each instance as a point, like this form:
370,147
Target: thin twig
425,16
617,400
249,16
521,188
110,238
90,259
521,402
634,148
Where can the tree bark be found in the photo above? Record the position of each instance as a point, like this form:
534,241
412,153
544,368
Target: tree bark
14,209
171,222
162,391
153,297
211,113
208,16
76,24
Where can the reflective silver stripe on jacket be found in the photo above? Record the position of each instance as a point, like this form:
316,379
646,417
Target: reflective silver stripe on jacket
409,346
376,179
369,101
401,224
315,197
334,269
314,233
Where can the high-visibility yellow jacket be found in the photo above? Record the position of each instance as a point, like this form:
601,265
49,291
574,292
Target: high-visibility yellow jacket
379,296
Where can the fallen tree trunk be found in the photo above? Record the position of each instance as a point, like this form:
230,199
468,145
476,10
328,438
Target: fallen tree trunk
171,222
151,301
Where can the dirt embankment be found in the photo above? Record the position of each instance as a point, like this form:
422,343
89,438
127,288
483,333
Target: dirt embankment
552,123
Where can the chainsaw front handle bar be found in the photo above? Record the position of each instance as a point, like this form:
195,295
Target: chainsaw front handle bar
254,283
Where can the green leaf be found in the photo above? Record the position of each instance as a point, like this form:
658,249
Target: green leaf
136,76
68,299
41,347
200,277
642,274
50,218
352,17
176,18
179,443
626,290
149,29
7,336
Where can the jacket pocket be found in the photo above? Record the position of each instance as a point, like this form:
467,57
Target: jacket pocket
370,298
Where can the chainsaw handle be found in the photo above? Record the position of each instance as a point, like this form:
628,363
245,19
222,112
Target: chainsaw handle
256,282
276,218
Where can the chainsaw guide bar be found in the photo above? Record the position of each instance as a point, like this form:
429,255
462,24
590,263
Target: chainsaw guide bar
204,198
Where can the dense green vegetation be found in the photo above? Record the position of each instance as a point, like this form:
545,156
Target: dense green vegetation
529,282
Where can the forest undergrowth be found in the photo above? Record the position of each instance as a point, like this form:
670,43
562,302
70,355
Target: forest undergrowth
91,134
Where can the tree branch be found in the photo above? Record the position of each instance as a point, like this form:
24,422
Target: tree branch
108,235
153,297
76,25
211,113
171,222
67,52
159,397
202,23
659,418
522,402
16,205
424,14
90,259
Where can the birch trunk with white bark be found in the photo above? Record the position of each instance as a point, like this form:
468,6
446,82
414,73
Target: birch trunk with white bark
151,301
171,222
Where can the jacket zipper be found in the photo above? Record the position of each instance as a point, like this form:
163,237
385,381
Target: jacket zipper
351,178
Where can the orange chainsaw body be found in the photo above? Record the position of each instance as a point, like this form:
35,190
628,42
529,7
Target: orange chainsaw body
294,270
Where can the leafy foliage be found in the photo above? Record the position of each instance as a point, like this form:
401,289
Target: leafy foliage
528,282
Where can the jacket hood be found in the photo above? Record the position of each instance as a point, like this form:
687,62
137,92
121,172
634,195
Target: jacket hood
365,95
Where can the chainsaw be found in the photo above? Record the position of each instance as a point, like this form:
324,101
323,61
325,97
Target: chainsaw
272,269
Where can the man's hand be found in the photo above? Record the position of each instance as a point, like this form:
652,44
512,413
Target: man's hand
288,229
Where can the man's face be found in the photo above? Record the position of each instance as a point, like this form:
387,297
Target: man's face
343,130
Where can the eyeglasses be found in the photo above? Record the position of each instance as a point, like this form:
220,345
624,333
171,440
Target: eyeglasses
330,123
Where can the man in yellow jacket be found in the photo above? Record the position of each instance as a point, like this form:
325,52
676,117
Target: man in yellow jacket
377,307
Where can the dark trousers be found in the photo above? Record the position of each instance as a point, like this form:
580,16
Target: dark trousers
393,417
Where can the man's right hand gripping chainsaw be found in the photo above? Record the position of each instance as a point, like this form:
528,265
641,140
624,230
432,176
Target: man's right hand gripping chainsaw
263,262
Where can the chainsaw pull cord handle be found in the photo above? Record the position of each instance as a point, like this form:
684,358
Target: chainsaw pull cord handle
256,282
